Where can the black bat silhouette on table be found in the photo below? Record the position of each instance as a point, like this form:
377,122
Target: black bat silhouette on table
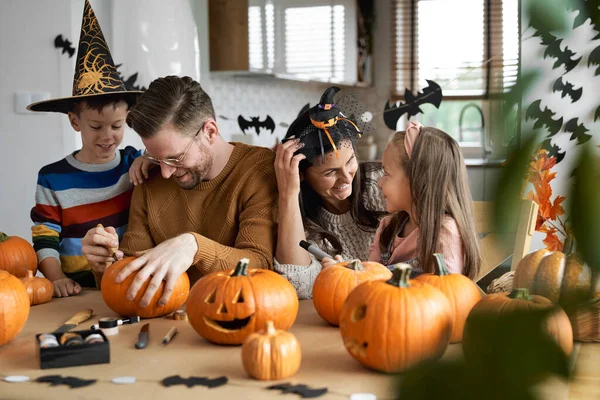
543,118
553,150
578,131
432,94
594,59
64,44
563,57
567,89
267,123
71,381
194,381
302,390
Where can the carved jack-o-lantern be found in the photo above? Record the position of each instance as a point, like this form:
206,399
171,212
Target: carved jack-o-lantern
226,307
394,325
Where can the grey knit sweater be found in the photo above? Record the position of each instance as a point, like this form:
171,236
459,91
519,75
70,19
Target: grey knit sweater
355,241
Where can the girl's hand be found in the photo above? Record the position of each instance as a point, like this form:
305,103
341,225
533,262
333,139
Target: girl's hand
286,168
139,170
328,262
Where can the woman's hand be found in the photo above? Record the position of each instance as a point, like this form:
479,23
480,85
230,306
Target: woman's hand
328,262
286,168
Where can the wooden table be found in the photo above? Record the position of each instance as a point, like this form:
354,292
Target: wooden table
325,362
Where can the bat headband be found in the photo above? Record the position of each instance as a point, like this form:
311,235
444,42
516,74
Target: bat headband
412,133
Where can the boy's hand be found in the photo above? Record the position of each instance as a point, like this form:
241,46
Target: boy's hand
66,287
139,170
96,245
328,262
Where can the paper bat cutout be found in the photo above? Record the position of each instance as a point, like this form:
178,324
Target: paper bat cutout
578,131
64,44
567,89
553,150
194,381
129,82
432,94
563,57
597,114
302,390
71,381
543,118
594,59
586,10
268,124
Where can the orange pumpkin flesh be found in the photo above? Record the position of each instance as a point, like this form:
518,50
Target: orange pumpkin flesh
40,290
557,325
394,325
17,256
333,285
461,292
225,307
271,354
14,307
114,294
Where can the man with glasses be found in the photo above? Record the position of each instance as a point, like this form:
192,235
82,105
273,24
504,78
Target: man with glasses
215,203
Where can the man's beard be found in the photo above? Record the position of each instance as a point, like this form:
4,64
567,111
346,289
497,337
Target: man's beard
199,172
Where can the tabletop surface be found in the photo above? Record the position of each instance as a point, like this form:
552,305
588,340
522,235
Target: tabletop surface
325,361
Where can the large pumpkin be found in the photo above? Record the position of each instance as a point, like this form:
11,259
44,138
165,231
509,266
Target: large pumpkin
40,290
334,284
17,256
225,307
114,294
394,325
562,278
14,306
461,292
498,304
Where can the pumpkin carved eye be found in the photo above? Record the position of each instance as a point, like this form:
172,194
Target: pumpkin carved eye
359,313
211,297
239,297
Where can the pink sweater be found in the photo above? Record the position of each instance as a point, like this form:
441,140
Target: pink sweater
404,249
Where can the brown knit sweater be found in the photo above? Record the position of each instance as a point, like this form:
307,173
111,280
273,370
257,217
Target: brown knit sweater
232,216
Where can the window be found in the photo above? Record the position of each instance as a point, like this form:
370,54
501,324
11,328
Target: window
469,47
304,39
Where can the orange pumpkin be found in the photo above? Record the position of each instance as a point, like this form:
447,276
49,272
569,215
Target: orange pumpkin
461,292
39,290
563,278
14,307
557,325
114,294
394,325
226,307
17,256
334,284
271,354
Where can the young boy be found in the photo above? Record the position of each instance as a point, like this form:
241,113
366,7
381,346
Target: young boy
93,185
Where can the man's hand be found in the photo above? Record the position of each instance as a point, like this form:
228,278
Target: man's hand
65,287
95,247
167,261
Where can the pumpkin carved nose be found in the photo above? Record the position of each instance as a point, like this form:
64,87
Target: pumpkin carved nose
222,309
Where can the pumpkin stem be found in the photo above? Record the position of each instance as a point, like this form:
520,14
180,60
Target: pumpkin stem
241,269
3,237
29,273
355,265
520,294
270,328
441,264
400,275
570,245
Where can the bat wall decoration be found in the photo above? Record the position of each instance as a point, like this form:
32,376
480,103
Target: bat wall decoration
65,45
577,131
563,57
543,118
597,114
432,94
594,60
553,150
255,123
567,89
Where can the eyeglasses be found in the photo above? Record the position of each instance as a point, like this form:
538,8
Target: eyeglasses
173,162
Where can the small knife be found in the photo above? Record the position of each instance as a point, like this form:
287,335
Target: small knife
143,337
75,320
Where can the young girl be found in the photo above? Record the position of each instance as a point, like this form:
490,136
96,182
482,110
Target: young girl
425,187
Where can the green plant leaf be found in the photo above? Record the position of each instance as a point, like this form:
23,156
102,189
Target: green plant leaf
548,15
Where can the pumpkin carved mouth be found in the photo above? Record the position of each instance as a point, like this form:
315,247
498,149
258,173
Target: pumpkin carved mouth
227,326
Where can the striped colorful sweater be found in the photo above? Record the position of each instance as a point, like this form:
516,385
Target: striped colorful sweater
72,197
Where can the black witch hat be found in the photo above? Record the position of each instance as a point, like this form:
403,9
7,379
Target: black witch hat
95,71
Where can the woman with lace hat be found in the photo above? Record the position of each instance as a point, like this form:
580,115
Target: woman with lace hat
325,196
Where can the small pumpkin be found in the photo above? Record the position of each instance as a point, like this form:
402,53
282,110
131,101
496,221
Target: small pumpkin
271,354
461,292
333,285
17,256
114,294
40,290
563,278
225,307
14,307
394,325
557,325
